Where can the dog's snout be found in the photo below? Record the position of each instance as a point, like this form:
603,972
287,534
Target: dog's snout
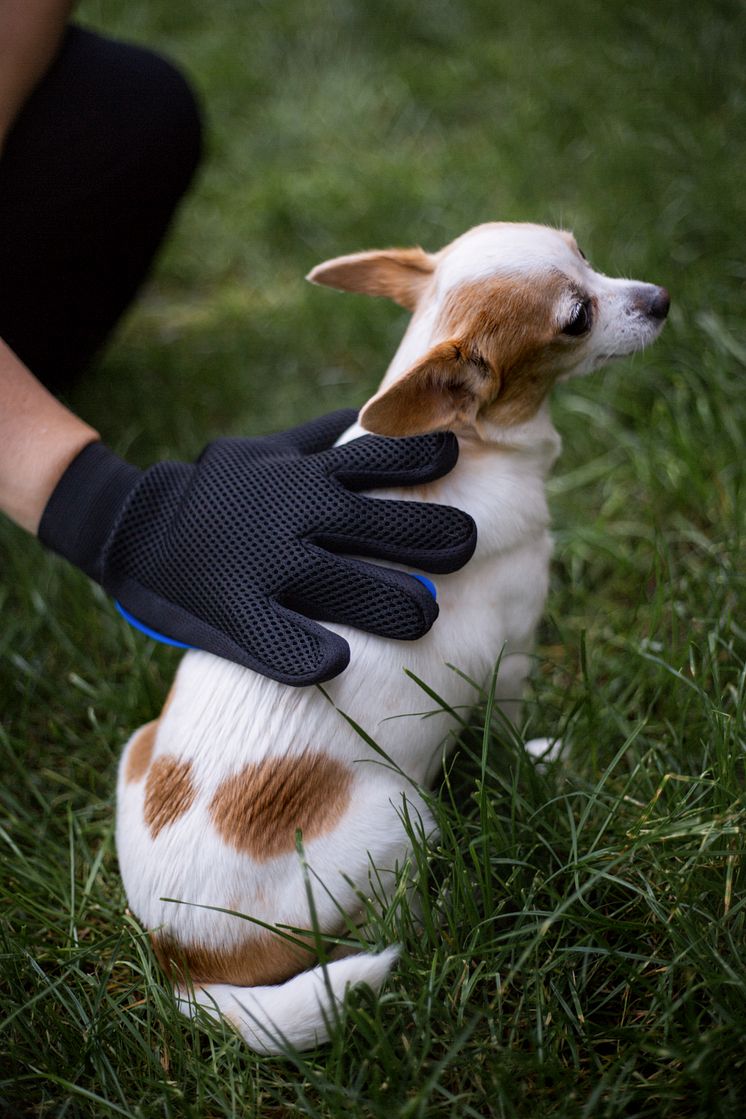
653,301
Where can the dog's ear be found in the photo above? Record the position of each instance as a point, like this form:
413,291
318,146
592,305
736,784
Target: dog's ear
444,390
398,274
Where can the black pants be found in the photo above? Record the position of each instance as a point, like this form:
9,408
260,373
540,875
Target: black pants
91,174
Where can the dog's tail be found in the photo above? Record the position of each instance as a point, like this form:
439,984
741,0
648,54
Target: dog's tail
298,1014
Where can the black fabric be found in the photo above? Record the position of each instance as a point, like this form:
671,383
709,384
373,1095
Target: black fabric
244,552
90,176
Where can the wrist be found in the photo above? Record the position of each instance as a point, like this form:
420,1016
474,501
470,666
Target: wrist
78,518
39,438
43,480
41,455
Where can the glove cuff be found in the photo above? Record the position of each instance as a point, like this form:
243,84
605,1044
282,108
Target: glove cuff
83,508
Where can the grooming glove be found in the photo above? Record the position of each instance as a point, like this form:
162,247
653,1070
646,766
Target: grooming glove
244,552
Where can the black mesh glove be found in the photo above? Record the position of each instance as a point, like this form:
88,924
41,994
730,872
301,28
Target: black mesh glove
236,553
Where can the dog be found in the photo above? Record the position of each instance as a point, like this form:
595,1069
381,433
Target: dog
213,795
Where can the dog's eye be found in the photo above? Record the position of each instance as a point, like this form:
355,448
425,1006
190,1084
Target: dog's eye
580,320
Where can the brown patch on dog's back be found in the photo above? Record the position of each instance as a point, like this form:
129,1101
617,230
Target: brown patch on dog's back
139,752
264,958
169,792
260,808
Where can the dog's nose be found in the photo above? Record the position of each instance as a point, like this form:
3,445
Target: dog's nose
651,301
661,301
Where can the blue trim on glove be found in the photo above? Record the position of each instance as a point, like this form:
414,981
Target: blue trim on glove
427,584
136,624
156,636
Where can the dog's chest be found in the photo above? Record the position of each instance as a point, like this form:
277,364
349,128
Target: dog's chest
488,610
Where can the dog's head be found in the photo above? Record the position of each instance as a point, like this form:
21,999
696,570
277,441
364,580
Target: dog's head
500,314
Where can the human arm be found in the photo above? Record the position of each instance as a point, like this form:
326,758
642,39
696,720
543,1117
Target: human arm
245,551
39,438
30,34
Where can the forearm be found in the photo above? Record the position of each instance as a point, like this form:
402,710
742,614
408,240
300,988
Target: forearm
30,34
39,438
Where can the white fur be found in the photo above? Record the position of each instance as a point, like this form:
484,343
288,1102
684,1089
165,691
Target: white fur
223,716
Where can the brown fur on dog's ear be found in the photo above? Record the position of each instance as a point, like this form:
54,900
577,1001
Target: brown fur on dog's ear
398,274
444,390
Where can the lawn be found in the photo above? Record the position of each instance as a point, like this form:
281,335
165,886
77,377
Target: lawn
582,953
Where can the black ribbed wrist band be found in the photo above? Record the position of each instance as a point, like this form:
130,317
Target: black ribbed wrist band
81,512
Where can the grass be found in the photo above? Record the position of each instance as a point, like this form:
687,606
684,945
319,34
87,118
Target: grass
583,933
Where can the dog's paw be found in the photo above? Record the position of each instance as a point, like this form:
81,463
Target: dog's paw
544,750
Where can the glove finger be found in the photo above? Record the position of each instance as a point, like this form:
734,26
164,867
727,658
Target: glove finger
319,434
300,651
269,638
373,461
376,599
434,537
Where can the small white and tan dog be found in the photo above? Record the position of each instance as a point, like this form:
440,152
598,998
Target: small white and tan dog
212,794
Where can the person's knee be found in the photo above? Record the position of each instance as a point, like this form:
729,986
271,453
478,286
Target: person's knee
152,109
165,119
91,176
